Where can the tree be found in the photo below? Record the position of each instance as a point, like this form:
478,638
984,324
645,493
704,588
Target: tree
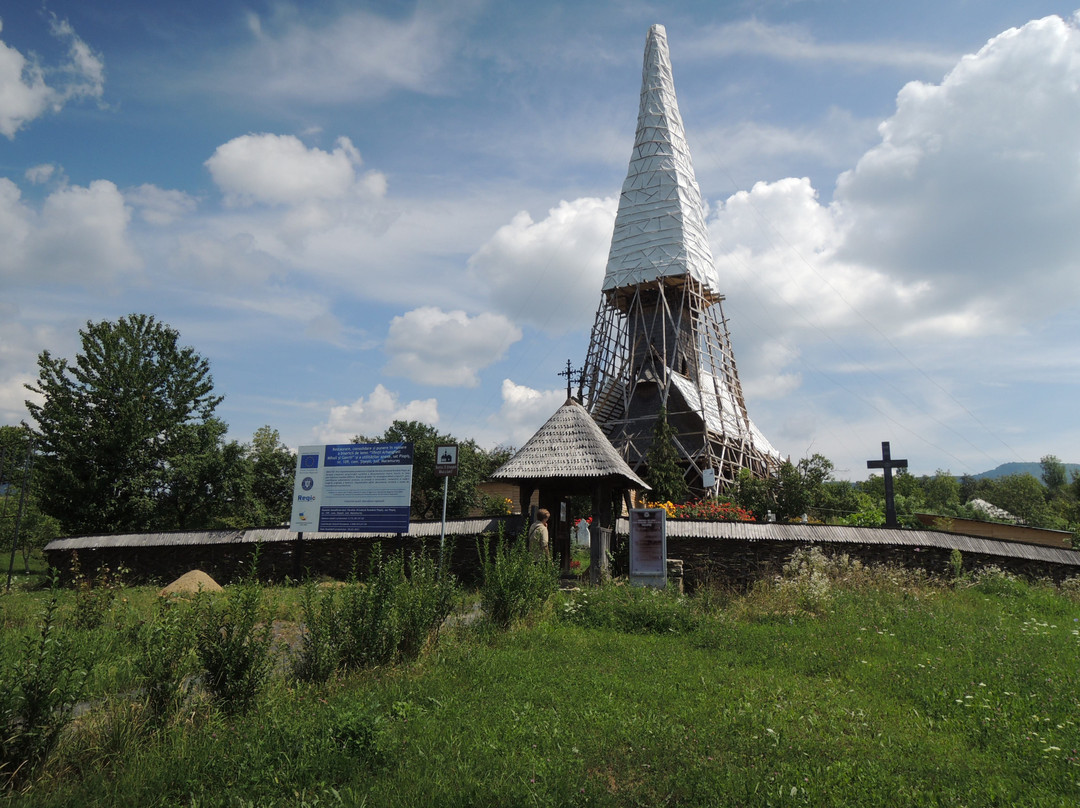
273,470
1022,495
207,481
1053,473
114,426
664,474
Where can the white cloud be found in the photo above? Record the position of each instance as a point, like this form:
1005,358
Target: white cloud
160,206
546,273
280,170
356,55
431,346
793,43
373,415
25,92
975,186
20,345
15,223
81,236
524,410
40,174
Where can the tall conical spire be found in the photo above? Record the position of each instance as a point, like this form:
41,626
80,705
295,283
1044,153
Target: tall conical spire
660,342
660,227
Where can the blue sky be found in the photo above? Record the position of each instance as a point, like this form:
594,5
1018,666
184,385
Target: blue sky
366,211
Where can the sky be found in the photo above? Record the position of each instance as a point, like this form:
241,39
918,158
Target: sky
368,211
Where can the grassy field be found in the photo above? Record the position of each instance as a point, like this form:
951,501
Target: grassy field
834,685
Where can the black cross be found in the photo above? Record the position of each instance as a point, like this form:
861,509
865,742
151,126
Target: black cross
888,464
569,373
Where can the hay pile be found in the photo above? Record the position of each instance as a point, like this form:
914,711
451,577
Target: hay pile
190,583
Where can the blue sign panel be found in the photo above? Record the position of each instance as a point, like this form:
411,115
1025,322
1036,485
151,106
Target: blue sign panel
356,488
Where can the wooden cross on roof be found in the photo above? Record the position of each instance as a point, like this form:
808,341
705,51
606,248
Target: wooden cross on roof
888,464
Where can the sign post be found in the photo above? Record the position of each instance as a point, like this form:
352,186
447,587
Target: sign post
446,466
648,547
353,488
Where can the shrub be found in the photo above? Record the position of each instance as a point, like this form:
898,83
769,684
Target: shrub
630,609
37,697
233,639
165,656
422,603
992,580
514,585
320,638
94,597
388,618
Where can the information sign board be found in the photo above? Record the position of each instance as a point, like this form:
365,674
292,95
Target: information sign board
353,488
648,547
446,461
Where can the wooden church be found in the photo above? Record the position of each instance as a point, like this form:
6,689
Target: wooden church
660,339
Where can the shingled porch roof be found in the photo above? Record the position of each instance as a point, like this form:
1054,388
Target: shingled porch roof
569,446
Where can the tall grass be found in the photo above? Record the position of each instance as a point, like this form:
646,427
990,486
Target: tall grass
390,617
875,686
514,585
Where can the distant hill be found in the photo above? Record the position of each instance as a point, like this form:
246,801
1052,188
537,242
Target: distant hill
1034,469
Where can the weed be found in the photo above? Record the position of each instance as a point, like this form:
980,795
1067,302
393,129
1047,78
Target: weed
233,640
321,637
956,564
514,584
37,696
165,656
94,596
630,609
391,617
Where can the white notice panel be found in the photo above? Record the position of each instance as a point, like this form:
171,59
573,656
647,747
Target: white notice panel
353,488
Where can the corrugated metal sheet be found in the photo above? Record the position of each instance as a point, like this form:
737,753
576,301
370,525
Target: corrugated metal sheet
464,527
835,534
740,531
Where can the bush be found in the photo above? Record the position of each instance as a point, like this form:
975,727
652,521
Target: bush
165,656
233,640
514,585
391,617
37,697
94,597
630,609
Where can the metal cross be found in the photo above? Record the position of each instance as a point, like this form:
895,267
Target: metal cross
888,464
569,373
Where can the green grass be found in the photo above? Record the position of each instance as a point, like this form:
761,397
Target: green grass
871,688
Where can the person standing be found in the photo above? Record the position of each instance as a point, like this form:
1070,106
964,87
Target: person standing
538,536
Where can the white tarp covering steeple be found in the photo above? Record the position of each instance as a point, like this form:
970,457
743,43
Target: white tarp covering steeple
660,226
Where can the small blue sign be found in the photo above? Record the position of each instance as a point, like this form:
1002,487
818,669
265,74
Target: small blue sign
309,461
307,483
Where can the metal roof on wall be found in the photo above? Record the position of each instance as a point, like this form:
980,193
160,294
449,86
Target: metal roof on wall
739,531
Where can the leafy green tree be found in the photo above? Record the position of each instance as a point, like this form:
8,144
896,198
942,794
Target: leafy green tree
792,493
664,474
35,528
273,469
755,494
114,425
474,466
941,493
1053,474
1022,495
206,481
